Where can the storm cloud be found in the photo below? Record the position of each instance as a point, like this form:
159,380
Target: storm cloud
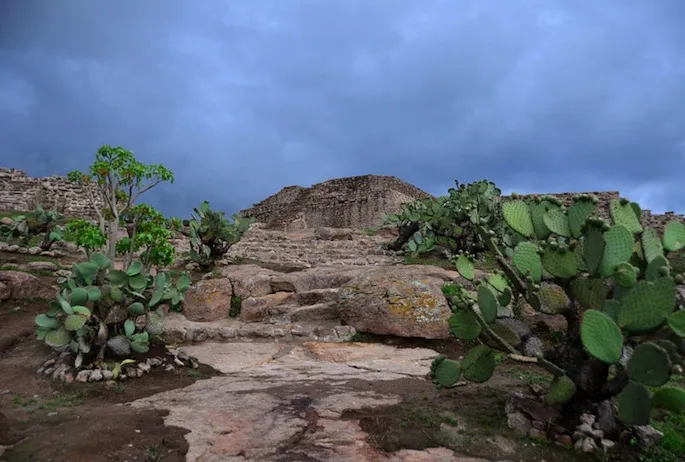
241,98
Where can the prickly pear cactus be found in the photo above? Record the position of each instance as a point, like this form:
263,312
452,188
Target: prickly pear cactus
612,282
101,307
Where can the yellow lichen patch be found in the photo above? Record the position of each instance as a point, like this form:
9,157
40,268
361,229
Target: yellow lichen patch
410,300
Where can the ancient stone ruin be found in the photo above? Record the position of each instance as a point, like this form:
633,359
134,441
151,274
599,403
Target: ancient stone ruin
352,202
22,193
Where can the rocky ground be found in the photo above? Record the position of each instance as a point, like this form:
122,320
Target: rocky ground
287,369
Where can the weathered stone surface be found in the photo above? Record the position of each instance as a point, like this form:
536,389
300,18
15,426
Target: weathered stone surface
282,401
255,309
20,285
41,265
333,234
208,300
249,280
313,279
402,300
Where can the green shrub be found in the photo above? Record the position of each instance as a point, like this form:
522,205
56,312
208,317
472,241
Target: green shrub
613,284
100,308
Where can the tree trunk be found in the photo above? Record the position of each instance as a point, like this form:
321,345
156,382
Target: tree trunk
112,232
405,233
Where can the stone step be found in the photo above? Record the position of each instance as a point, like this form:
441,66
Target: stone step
281,306
178,331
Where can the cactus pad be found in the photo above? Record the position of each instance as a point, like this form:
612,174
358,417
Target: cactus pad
649,365
559,263
594,245
589,292
445,372
648,304
507,333
553,299
674,236
498,282
487,302
618,249
580,211
79,296
669,398
557,222
526,258
537,214
625,274
676,321
561,390
465,267
479,364
464,325
651,244
601,336
623,214
612,308
654,268
634,404
517,216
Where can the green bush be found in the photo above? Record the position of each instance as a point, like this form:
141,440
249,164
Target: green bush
613,284
100,308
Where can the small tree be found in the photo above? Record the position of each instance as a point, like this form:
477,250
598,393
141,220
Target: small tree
149,230
120,181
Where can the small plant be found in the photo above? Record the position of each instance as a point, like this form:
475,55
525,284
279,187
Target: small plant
85,235
40,221
101,308
150,231
612,283
211,234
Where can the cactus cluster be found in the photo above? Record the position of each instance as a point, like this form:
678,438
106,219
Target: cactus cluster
100,308
39,221
447,223
211,234
609,278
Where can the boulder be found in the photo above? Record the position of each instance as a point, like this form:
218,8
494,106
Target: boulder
255,309
208,300
20,285
249,280
406,301
313,279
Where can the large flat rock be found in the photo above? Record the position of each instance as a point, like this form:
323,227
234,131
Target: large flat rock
284,402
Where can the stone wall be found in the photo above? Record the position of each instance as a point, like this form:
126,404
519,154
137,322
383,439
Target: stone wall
22,193
353,202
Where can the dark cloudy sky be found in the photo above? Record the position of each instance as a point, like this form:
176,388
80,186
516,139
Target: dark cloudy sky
241,98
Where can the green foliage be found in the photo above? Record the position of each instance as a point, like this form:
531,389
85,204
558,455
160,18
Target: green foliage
100,308
40,221
212,234
612,282
149,230
120,179
84,234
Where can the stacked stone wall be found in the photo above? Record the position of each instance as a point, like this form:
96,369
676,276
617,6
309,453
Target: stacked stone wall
19,192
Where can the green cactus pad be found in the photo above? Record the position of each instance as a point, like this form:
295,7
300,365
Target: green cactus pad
58,337
94,293
560,264
625,274
136,308
654,268
651,244
637,210
517,215
618,249
672,350
623,214
537,214
78,296
498,282
578,251
669,398
487,302
74,322
87,271
647,305
117,278
601,336
445,373
479,364
612,308
676,321
553,299
674,236
579,212
507,334
557,222
505,297
45,321
464,325
634,405
594,245
589,292
100,260
649,365
135,268
561,390
116,294
526,258
465,267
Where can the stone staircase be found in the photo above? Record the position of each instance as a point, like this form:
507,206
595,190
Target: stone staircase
312,247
